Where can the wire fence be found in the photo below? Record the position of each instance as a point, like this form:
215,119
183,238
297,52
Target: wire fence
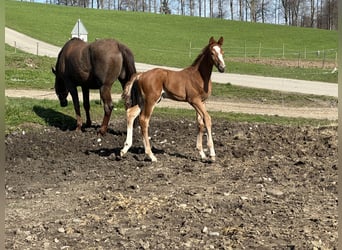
324,57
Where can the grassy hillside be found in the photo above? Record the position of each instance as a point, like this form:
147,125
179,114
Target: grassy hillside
157,38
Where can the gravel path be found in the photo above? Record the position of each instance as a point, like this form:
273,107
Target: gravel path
35,46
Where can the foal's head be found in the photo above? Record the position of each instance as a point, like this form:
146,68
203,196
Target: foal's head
217,53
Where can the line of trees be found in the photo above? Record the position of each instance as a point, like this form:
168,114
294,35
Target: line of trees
305,13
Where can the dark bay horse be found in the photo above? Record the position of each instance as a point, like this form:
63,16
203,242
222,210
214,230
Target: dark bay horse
192,85
94,65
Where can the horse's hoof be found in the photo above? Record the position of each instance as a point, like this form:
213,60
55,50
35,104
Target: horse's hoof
101,132
212,159
153,158
122,153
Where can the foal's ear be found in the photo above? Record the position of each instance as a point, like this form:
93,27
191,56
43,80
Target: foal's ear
220,41
212,40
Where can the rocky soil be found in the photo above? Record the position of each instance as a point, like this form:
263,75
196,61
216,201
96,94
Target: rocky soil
272,187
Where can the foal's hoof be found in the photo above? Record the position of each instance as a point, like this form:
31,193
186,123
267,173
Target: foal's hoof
152,158
122,153
212,159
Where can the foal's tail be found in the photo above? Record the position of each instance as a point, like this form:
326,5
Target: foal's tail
131,94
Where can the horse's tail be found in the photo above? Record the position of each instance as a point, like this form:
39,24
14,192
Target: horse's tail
128,64
131,94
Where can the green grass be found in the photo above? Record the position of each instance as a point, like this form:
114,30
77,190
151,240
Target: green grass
165,39
272,97
26,71
309,74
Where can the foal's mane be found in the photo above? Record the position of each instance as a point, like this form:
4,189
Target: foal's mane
201,55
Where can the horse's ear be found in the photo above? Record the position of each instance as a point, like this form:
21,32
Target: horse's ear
211,40
220,41
53,70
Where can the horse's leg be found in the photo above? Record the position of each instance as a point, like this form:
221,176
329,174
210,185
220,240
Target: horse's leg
105,93
86,105
76,102
202,112
131,114
144,124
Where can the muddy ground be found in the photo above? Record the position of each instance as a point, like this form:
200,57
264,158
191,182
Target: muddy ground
272,187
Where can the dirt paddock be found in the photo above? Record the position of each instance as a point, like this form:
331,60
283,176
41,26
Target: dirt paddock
272,187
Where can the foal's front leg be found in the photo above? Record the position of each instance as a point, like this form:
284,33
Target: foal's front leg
210,142
204,121
199,144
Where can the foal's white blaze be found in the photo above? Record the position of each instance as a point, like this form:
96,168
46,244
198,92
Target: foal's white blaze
219,55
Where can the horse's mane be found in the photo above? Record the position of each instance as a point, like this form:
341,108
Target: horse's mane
201,55
128,63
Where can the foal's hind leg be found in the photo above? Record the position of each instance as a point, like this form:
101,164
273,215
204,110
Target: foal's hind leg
144,124
131,113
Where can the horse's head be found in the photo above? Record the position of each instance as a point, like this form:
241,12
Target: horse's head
60,89
217,53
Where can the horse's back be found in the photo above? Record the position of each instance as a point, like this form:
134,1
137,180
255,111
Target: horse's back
70,56
106,56
73,46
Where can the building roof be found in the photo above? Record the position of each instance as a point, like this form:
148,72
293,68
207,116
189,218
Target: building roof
79,29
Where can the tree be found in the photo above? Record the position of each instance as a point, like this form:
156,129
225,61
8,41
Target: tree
164,7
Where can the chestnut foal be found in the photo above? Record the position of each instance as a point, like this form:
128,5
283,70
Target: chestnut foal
192,85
